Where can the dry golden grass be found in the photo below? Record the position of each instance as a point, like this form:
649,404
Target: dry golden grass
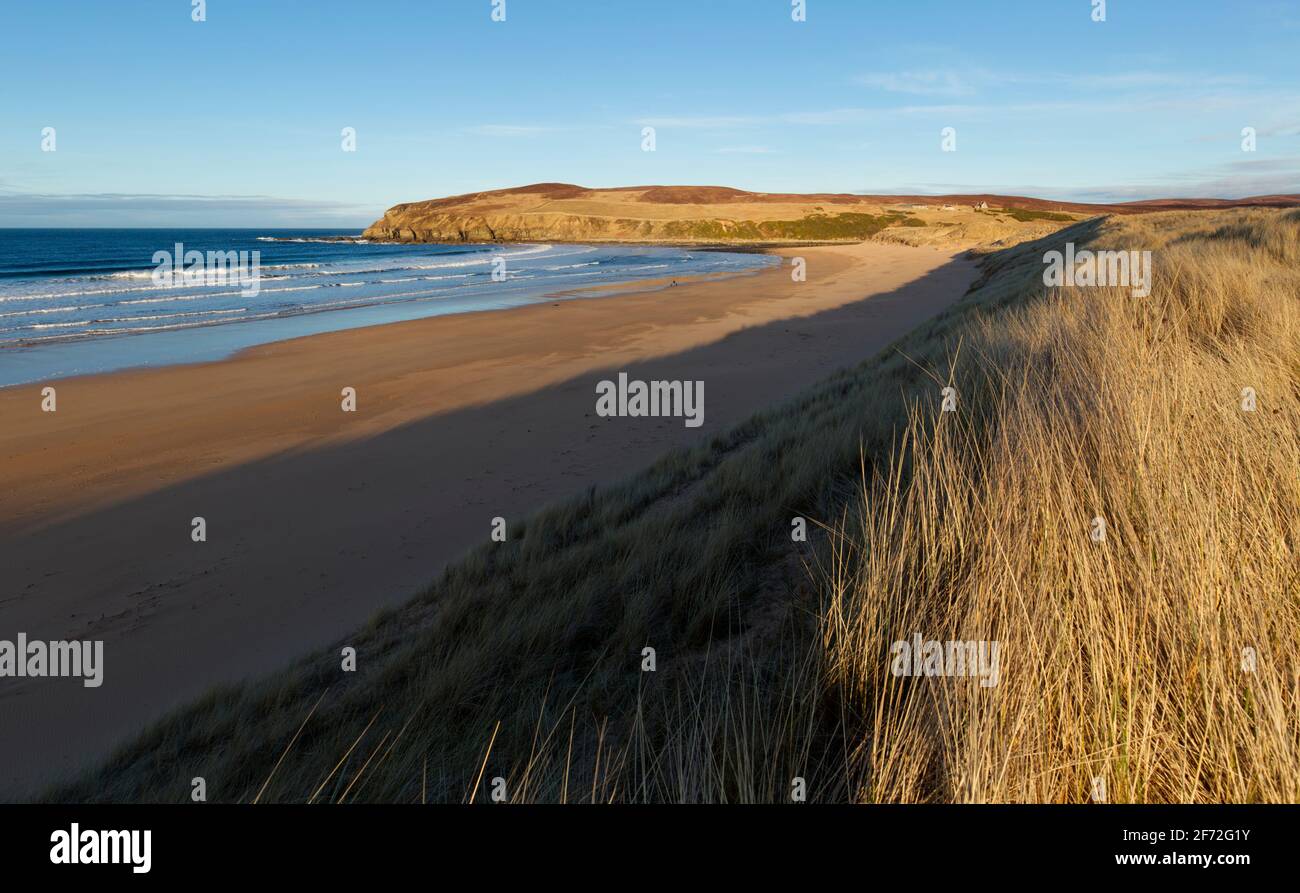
1128,659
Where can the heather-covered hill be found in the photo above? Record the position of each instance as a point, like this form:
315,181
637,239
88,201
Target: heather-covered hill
720,215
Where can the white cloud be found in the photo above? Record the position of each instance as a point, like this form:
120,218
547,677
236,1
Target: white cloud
702,122
510,130
923,83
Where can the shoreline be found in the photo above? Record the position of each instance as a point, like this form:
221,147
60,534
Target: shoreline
316,518
739,247
610,289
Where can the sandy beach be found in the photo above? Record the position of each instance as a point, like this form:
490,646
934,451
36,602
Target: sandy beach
316,518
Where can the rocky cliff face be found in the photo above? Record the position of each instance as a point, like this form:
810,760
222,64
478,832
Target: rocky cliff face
402,225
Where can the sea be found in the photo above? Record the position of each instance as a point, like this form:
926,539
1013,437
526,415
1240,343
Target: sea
81,301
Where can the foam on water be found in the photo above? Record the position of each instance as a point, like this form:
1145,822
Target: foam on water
54,322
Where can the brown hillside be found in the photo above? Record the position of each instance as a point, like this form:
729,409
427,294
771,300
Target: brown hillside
694,215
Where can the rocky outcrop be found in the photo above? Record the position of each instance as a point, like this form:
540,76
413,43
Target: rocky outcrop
452,227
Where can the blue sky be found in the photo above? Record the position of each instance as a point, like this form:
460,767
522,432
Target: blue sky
236,121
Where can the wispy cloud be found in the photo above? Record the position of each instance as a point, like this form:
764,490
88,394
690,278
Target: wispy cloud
1237,179
924,83
1147,80
702,122
967,82
746,150
134,209
823,117
511,130
1292,129
1246,176
827,117
1107,95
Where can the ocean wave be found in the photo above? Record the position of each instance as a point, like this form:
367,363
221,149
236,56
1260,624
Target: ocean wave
338,240
127,301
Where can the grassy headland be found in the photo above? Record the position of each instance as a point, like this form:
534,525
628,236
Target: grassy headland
700,215
693,215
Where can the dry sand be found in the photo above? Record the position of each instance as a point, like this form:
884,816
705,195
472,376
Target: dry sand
317,518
